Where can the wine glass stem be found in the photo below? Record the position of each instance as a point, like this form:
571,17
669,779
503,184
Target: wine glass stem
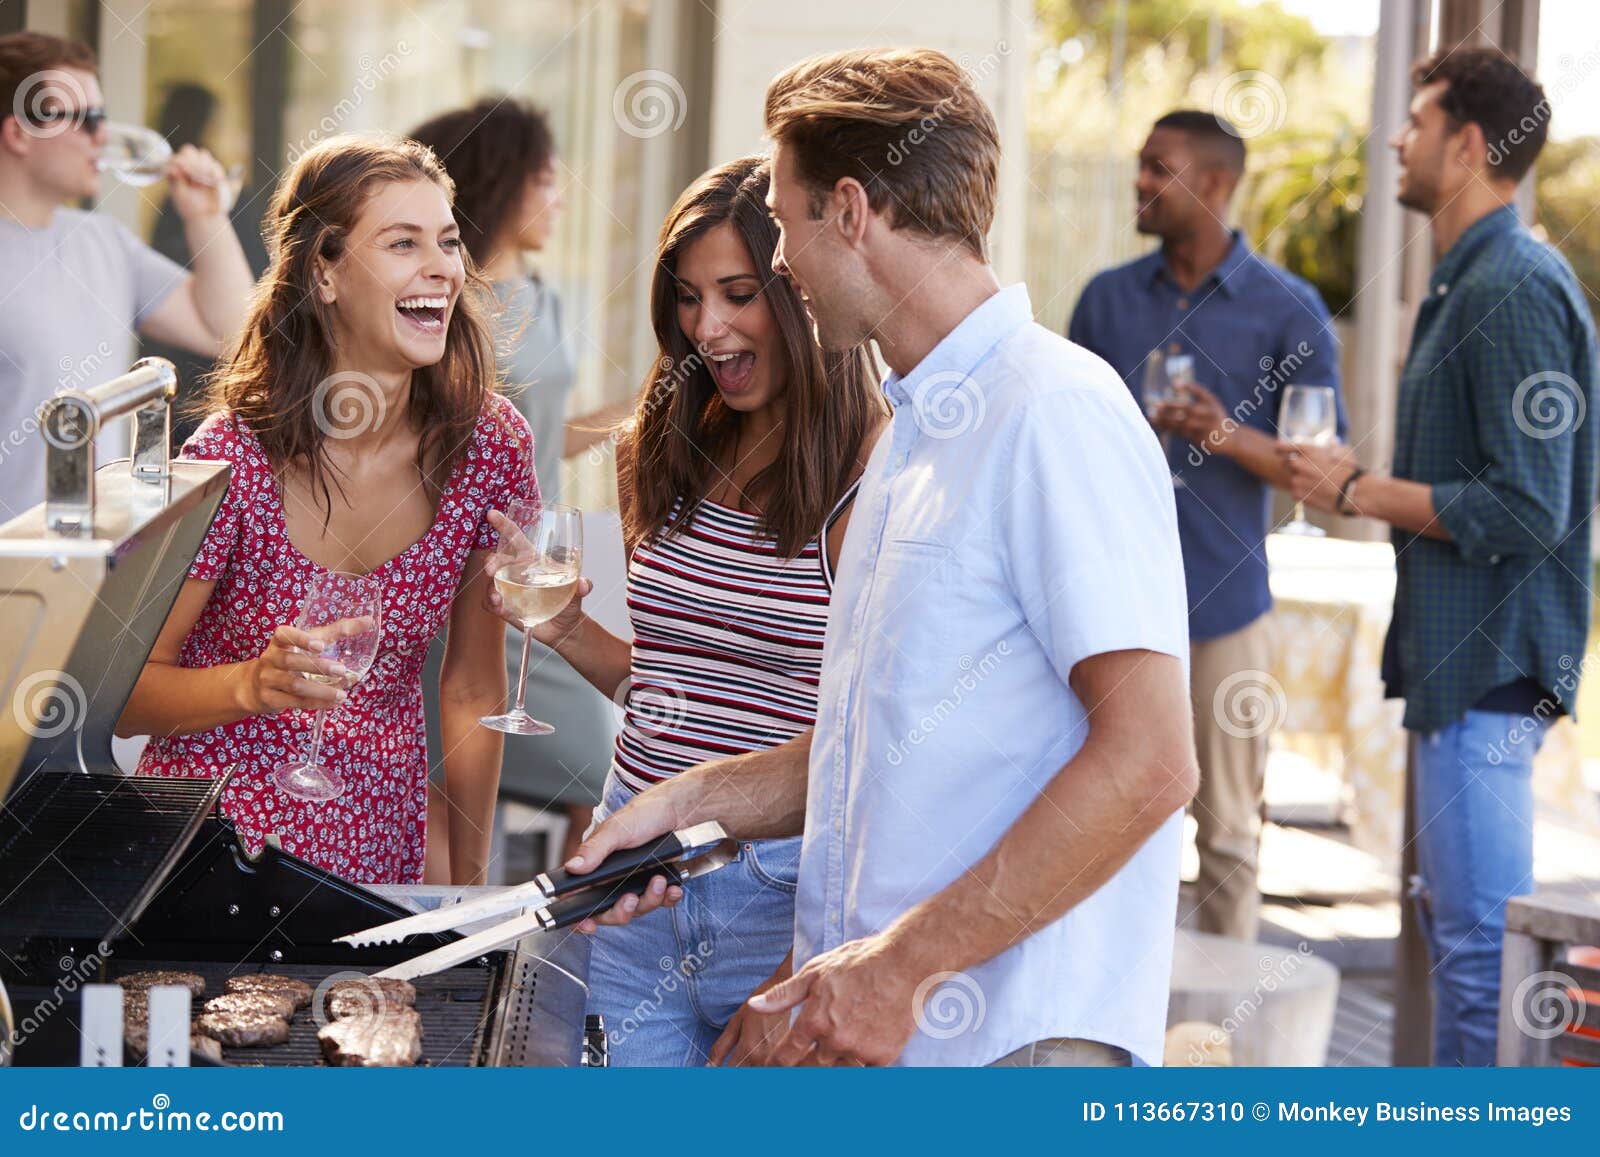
1299,513
522,673
316,738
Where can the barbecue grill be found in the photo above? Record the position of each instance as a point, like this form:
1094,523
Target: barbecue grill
104,874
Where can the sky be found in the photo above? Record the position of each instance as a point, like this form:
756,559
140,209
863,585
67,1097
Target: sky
1569,52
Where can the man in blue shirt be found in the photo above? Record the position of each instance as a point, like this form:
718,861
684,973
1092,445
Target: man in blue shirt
1489,499
1250,328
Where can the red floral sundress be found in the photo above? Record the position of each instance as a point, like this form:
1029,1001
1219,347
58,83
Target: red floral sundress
376,831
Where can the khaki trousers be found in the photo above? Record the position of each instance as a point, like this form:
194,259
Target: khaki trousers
1065,1052
1236,703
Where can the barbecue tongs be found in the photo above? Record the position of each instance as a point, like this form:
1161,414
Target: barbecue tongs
554,899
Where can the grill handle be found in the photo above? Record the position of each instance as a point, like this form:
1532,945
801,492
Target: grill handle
73,419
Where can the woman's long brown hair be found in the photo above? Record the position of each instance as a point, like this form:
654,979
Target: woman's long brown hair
286,352
682,431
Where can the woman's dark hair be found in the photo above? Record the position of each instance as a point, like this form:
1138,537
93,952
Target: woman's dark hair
490,150
682,431
278,379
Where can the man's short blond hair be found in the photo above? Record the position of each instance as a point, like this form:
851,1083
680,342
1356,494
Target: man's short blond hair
906,123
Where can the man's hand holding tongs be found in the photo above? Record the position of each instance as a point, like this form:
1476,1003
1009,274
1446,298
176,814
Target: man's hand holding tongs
648,815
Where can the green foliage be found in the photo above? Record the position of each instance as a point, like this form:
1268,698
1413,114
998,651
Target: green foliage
1300,102
1251,36
1301,207
1566,191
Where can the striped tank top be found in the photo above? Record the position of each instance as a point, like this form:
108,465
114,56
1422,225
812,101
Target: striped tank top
727,643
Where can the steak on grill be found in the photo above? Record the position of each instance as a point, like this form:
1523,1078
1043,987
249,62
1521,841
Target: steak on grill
385,1040
275,1003
136,1032
243,1029
372,996
297,990
142,981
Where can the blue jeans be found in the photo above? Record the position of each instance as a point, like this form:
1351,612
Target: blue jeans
668,983
1474,841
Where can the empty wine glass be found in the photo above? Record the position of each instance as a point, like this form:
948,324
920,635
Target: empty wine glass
1309,417
342,614
1167,378
134,154
545,549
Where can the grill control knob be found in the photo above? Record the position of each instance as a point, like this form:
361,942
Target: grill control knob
233,909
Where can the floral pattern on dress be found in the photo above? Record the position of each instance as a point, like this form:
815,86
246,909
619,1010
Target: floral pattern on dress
377,830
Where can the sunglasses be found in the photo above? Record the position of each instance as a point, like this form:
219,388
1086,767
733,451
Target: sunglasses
87,119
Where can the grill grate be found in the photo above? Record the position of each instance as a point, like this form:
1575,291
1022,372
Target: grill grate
83,851
455,1007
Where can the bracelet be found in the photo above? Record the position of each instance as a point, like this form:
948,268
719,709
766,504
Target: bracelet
1344,503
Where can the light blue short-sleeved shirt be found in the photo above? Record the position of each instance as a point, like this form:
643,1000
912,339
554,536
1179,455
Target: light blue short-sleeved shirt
1016,518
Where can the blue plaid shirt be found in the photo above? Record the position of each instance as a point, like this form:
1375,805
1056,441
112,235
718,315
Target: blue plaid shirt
1497,414
1252,329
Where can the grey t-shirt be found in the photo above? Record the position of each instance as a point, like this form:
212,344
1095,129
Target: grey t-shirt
538,371
71,296
569,766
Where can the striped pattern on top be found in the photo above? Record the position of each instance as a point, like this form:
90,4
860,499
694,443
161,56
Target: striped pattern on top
727,644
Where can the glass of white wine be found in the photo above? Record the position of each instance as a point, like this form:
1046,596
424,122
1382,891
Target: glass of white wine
1309,416
134,154
544,552
1167,377
343,615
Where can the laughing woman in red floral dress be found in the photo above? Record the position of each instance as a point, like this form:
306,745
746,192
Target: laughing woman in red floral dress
360,418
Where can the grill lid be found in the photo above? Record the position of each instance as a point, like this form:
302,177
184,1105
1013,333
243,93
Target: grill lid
87,580
81,855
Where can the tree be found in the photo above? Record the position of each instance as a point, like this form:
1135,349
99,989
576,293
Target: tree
1566,191
1300,101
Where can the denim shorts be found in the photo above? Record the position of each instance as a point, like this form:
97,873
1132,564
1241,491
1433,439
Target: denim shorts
668,983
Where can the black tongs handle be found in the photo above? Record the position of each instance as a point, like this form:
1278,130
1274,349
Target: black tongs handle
659,853
586,902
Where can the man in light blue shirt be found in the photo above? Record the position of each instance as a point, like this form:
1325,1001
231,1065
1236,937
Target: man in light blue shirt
991,795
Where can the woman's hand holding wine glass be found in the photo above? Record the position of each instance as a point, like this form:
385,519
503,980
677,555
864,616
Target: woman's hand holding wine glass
553,630
536,571
339,628
290,675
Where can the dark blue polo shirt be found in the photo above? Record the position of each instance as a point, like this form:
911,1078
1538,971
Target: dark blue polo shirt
1252,329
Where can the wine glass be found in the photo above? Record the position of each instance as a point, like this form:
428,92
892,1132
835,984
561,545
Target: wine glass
545,552
134,154
1309,416
1167,378
342,614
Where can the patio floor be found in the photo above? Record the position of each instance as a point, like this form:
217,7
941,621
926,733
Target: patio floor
1342,903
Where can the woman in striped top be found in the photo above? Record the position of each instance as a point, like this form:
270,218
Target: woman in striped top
735,479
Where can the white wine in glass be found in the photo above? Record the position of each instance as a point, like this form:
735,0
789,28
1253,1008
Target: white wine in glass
544,553
1167,377
1309,416
534,593
134,154
343,614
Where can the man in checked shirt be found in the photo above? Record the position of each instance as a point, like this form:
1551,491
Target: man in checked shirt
1489,500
